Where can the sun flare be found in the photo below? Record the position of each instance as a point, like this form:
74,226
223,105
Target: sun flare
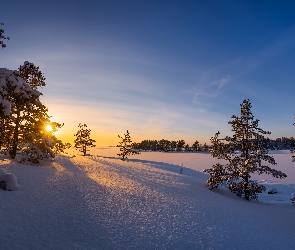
48,128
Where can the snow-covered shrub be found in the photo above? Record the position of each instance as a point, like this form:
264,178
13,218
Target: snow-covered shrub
10,181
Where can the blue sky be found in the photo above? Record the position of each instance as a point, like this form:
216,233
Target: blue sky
161,69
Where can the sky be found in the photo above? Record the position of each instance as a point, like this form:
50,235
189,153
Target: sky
160,69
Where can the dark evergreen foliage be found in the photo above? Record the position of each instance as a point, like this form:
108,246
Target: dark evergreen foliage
126,146
196,146
167,146
245,152
2,37
83,140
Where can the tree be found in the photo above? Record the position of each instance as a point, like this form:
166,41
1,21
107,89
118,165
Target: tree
83,139
187,147
23,116
42,144
196,146
125,145
19,101
180,144
164,145
293,151
173,145
2,44
245,153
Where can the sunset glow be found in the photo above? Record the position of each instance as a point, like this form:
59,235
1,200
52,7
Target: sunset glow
48,128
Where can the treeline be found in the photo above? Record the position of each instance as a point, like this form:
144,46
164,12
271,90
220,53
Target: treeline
166,146
283,143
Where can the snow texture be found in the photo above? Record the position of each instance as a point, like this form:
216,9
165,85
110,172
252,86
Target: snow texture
101,202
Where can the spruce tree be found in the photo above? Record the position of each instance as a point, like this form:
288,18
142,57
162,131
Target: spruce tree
83,140
245,152
125,145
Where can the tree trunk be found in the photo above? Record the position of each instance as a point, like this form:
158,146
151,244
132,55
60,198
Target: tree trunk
15,135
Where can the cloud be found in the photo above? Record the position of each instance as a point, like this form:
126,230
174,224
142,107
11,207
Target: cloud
208,89
205,91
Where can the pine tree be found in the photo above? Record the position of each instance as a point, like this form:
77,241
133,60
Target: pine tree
23,116
245,153
126,147
18,102
83,140
2,37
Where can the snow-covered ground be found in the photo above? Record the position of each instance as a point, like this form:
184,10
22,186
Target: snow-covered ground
101,202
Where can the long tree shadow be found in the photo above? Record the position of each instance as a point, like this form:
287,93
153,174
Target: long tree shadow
167,166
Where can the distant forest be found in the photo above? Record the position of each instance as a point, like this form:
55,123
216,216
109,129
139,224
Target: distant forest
283,143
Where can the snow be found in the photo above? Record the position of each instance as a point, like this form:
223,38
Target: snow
10,80
10,180
101,202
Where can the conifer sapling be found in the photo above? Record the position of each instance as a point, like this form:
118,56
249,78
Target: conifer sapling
126,146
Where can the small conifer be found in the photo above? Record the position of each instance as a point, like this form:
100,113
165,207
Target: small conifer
126,146
83,139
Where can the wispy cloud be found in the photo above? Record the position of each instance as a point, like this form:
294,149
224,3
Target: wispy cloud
206,90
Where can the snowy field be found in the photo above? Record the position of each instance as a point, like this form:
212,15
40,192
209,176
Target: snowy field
101,202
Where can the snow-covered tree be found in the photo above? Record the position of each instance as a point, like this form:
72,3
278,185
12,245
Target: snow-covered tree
2,37
245,154
42,144
125,145
83,140
23,116
18,99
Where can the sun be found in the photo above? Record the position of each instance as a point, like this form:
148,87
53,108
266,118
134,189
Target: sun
48,128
